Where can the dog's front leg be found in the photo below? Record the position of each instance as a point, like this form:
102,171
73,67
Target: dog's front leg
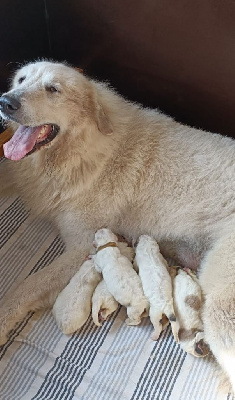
217,279
40,289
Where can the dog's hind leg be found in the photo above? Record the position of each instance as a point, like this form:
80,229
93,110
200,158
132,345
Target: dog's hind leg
40,290
155,315
217,279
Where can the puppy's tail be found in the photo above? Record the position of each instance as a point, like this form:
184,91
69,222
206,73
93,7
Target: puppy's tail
170,313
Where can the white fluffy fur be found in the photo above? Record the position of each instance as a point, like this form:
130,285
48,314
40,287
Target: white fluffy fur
157,284
73,305
103,303
121,279
188,307
126,250
133,170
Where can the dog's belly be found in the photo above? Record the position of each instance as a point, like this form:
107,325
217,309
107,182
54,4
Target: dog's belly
183,253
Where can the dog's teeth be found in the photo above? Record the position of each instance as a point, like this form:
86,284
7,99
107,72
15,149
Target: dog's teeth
43,130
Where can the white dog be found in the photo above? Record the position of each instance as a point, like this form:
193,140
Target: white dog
103,303
157,284
73,305
121,279
188,307
89,158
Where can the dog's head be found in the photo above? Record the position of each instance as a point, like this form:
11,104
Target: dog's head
104,236
45,100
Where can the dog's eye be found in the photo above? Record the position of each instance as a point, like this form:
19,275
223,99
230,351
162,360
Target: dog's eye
51,89
20,80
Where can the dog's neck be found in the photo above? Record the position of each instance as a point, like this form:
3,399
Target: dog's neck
109,244
88,151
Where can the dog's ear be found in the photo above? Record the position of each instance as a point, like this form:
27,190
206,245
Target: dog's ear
98,113
79,70
103,122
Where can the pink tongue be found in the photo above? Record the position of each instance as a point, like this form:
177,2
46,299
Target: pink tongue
22,142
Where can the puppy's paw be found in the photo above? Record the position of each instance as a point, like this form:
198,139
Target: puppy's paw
102,315
155,335
105,312
201,348
133,321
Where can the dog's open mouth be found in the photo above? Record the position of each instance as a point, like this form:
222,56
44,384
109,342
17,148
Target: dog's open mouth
28,139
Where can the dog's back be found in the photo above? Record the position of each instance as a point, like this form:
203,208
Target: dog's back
151,263
128,168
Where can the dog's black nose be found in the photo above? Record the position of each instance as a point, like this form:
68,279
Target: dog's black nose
9,104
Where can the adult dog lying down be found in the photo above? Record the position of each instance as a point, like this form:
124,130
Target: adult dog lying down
86,158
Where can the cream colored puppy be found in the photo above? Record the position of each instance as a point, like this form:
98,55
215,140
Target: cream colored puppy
103,303
157,284
121,279
188,305
73,305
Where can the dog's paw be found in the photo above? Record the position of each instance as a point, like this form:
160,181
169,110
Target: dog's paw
102,315
155,334
154,337
201,348
133,322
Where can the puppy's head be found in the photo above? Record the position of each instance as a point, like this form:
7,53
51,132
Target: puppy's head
144,242
104,236
192,341
45,101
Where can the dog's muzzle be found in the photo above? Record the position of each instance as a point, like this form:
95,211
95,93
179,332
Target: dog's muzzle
8,105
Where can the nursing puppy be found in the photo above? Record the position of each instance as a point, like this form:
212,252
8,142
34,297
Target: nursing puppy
121,279
157,284
73,305
188,304
103,302
88,158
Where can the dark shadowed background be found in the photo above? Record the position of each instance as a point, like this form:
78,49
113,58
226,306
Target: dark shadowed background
178,56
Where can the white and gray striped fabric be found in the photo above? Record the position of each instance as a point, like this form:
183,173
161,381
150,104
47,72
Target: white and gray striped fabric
114,362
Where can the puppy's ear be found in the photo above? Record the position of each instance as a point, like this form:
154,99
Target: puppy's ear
103,122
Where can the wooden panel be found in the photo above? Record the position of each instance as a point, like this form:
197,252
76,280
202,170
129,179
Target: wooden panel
4,137
175,55
24,35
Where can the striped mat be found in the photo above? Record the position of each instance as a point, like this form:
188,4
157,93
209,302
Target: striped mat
114,362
